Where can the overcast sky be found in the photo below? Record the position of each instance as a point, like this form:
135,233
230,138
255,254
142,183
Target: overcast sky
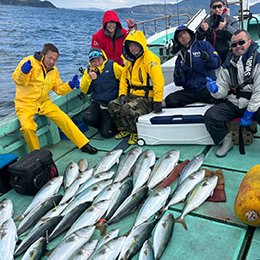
111,4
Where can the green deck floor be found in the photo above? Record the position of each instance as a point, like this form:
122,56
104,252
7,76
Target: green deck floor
214,232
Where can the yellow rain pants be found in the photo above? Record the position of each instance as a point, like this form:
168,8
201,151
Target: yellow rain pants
53,112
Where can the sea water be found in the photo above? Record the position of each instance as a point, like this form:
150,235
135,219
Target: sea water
24,30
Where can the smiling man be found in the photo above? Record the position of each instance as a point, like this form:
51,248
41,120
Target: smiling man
238,83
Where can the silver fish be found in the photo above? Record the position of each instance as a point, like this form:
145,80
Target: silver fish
135,239
125,165
69,219
191,167
8,238
107,162
162,234
129,204
199,194
163,168
73,188
36,250
146,252
85,251
71,174
109,235
152,205
48,190
6,210
119,196
142,169
108,192
185,187
109,250
87,195
37,212
83,164
89,217
72,243
94,179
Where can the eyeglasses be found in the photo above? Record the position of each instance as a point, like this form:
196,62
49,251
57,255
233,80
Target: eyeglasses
95,54
240,43
217,6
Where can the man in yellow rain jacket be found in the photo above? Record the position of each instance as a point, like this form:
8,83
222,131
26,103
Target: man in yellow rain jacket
141,86
35,77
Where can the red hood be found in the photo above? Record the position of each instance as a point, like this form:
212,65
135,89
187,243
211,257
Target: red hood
111,16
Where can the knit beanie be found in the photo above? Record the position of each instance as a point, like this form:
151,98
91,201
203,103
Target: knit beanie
214,1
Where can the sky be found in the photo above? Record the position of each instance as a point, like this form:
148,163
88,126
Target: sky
110,4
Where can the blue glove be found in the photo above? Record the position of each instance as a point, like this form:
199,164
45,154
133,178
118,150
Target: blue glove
74,83
246,120
26,68
211,85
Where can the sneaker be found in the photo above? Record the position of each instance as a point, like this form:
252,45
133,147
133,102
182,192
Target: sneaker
122,134
133,138
87,148
227,145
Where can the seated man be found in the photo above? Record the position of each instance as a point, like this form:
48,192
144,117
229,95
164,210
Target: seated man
101,79
35,77
239,83
196,60
141,86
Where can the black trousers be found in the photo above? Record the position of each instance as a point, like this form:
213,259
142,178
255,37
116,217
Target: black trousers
185,97
216,119
99,118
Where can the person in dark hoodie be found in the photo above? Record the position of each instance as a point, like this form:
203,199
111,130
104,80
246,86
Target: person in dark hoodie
101,80
218,28
111,36
196,60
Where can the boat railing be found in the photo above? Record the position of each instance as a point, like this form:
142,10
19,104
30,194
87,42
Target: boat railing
167,18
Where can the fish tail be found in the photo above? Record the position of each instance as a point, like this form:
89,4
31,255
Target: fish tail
181,221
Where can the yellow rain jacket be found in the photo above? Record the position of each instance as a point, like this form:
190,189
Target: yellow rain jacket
135,73
86,80
32,97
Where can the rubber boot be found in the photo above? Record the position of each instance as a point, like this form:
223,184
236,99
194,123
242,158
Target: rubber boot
227,145
87,148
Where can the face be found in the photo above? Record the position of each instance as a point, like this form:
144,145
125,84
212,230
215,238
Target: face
111,26
184,38
96,62
217,8
50,59
134,48
240,43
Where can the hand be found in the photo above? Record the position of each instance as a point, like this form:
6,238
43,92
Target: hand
74,83
157,107
26,68
92,74
131,24
211,85
204,55
246,120
223,24
122,100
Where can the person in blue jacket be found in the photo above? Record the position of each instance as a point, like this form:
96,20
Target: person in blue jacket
196,60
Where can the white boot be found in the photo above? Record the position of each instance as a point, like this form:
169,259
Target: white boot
227,145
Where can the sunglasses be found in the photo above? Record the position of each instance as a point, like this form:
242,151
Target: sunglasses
217,6
95,54
240,43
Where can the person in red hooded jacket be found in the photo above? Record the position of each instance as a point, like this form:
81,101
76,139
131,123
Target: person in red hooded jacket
111,37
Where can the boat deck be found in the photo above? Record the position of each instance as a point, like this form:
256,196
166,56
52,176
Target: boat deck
213,229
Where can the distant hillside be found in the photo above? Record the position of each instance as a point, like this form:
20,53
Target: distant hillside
186,6
33,3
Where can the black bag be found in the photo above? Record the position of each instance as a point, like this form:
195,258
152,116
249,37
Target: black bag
31,172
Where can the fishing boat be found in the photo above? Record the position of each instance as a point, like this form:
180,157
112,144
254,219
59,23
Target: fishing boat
214,231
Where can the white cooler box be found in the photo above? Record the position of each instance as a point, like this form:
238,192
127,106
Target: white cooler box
174,126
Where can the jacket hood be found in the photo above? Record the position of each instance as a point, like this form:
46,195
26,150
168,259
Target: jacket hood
111,16
137,37
183,28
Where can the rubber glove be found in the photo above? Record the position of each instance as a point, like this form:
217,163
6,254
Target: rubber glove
74,83
204,55
211,85
246,120
122,100
26,68
157,107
